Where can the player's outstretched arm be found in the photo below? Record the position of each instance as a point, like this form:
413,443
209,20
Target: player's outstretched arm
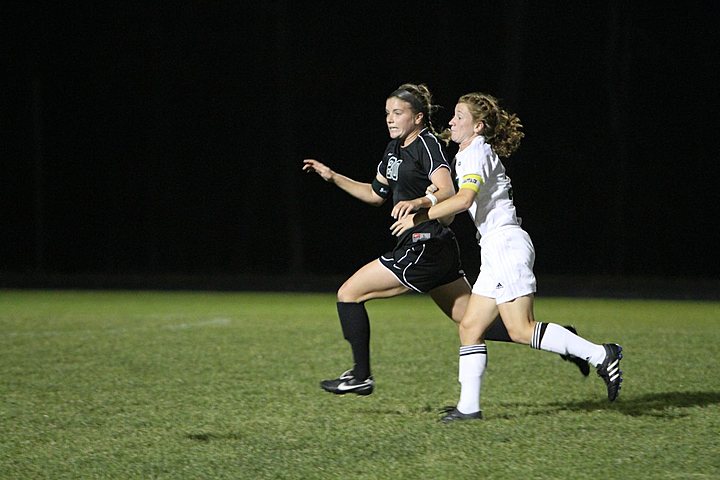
361,191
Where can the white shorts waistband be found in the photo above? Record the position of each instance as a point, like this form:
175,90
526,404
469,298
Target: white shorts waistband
504,228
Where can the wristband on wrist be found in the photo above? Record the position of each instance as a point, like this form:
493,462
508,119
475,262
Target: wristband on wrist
433,199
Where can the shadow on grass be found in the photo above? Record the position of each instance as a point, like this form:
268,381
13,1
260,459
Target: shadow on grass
664,405
661,405
207,437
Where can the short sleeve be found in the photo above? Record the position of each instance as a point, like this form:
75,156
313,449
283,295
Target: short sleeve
432,155
471,170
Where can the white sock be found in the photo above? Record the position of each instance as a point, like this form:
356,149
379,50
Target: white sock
473,360
560,340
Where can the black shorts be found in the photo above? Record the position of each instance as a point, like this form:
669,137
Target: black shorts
425,265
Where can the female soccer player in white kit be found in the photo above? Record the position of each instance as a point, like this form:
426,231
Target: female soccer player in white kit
506,282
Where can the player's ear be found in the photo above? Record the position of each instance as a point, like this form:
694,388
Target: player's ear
419,118
479,126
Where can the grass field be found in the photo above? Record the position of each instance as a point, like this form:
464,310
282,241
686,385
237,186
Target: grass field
225,385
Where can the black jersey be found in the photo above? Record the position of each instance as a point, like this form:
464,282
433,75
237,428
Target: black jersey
407,171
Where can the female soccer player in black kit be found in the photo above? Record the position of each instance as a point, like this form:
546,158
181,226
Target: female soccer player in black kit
426,258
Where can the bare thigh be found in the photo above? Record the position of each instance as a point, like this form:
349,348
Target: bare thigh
518,317
372,281
453,298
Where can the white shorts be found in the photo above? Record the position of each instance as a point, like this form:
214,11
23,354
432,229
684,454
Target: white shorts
507,256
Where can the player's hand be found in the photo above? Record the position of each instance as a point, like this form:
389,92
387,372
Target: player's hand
402,225
431,189
404,208
311,165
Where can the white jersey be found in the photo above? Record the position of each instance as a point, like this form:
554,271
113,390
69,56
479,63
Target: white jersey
479,169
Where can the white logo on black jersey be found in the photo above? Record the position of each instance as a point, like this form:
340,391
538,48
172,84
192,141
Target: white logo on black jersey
393,168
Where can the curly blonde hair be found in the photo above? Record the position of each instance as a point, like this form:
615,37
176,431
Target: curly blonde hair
501,129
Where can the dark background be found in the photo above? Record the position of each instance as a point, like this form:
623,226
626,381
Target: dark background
156,138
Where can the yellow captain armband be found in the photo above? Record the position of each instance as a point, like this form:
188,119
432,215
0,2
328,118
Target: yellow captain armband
472,182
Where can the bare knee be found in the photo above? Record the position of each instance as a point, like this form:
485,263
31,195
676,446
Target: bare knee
346,293
519,318
518,336
470,331
520,333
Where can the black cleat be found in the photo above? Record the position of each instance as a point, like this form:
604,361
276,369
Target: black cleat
609,369
452,414
347,383
583,365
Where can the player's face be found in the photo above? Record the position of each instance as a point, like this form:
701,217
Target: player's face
462,126
400,119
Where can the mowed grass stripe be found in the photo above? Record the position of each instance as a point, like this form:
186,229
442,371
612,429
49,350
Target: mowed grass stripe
108,384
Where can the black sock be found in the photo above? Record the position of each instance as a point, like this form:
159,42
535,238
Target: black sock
497,332
356,329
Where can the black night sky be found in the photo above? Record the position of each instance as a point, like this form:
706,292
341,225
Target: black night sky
167,137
